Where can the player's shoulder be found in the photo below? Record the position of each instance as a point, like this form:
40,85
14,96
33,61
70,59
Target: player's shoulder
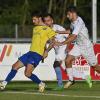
79,19
58,27
36,27
42,28
46,27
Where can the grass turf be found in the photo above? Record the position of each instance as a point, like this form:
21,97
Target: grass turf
29,91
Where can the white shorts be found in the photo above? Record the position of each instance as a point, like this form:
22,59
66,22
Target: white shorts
60,53
87,52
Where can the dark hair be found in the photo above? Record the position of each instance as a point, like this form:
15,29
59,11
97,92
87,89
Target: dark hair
36,14
46,15
72,9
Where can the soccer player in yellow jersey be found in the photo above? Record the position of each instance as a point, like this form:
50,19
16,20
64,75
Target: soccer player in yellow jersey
41,34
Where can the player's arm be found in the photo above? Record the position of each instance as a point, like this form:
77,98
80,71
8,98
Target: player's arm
47,49
51,36
64,32
51,44
68,47
74,34
70,39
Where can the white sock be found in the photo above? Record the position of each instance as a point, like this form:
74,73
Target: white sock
70,73
79,74
85,77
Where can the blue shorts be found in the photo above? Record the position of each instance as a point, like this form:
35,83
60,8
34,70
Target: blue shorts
30,58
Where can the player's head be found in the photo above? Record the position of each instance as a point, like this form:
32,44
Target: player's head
71,13
48,19
36,17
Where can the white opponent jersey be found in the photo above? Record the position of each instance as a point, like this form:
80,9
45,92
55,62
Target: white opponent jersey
59,37
78,28
60,51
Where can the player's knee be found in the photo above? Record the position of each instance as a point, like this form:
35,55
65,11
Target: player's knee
27,74
29,69
68,62
15,66
56,64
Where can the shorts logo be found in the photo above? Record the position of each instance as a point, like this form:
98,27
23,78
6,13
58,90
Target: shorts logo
5,51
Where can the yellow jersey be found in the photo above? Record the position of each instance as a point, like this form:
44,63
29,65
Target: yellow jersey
41,34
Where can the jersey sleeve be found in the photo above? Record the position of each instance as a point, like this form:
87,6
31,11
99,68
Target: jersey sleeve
60,28
51,33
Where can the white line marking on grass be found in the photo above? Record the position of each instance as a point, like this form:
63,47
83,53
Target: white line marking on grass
50,94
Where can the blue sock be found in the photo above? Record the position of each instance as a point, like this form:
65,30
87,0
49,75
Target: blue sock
11,75
59,76
35,79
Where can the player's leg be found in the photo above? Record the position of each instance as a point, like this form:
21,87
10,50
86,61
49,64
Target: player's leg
93,61
60,55
72,55
89,55
79,74
69,70
74,73
28,73
12,74
33,60
58,72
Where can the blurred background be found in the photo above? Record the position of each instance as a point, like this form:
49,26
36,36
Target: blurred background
16,22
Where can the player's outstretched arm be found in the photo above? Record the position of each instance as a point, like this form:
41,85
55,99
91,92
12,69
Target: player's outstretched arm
70,39
47,49
64,32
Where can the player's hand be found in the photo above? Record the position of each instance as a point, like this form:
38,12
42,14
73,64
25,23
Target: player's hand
60,32
68,31
45,54
63,32
57,43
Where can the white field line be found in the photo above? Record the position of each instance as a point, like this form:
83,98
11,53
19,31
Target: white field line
50,94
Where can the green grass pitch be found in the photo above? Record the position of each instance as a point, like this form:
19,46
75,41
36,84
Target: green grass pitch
29,91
